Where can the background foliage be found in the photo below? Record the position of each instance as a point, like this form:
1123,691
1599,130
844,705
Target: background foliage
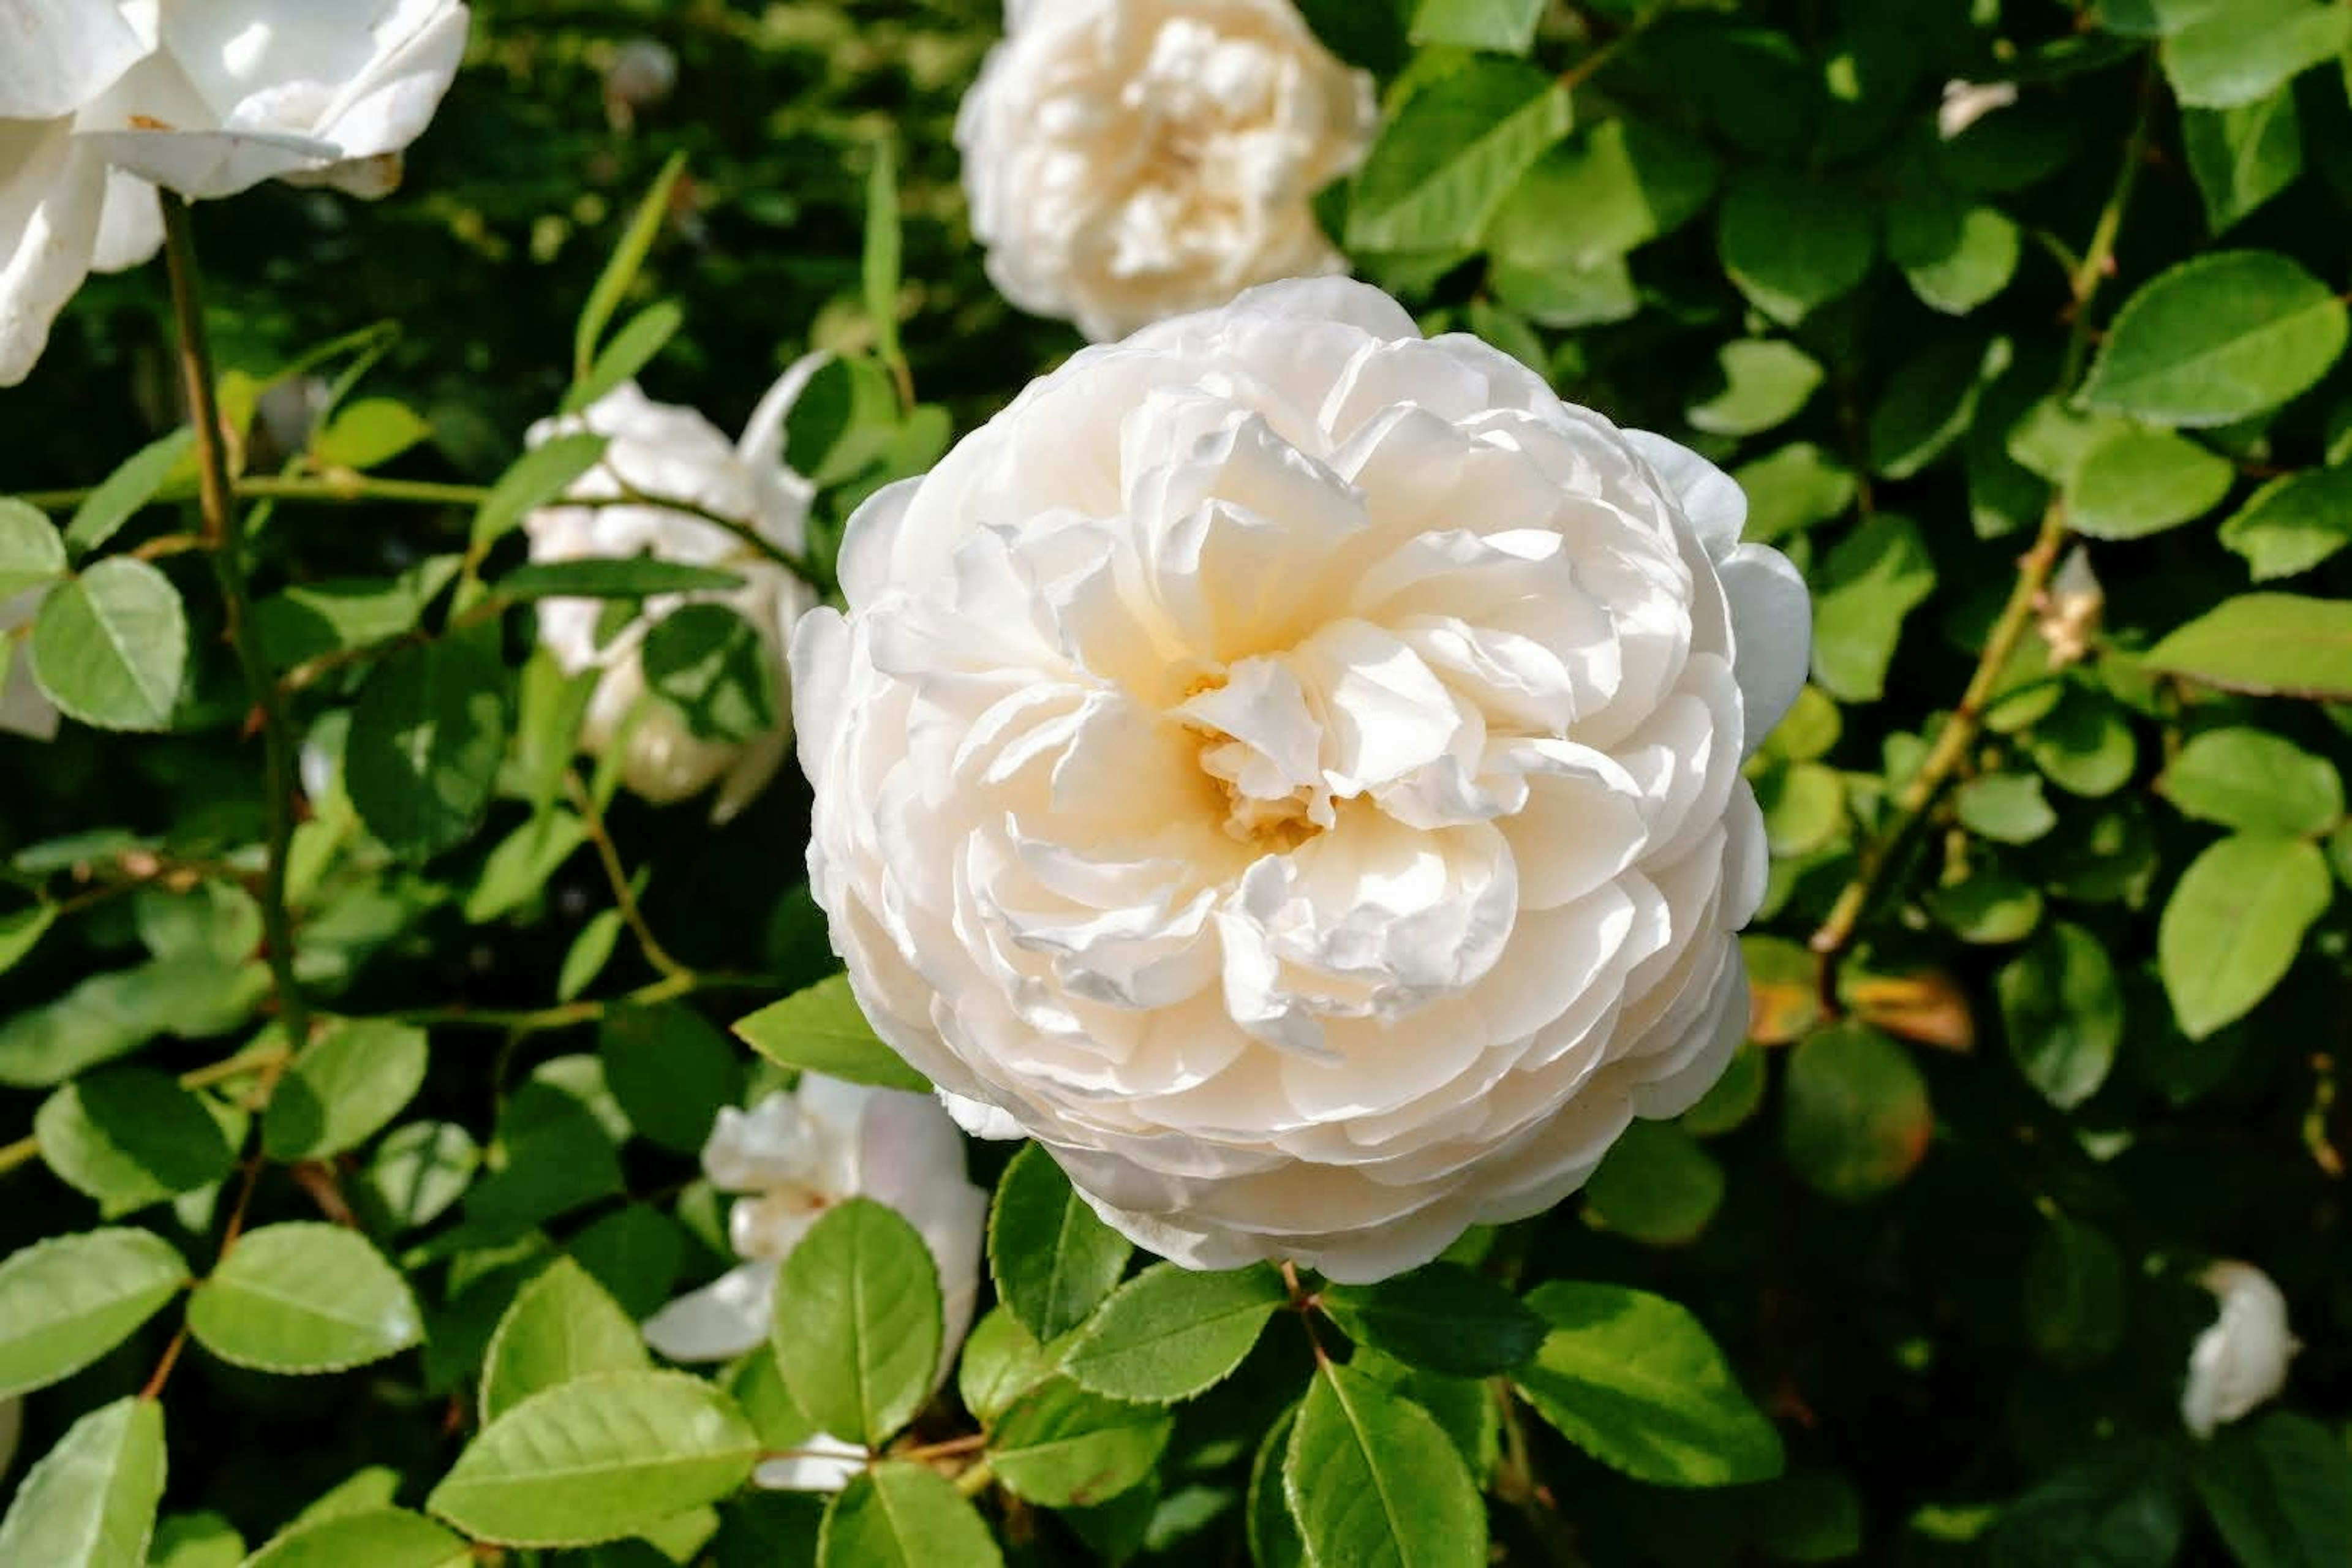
2047,988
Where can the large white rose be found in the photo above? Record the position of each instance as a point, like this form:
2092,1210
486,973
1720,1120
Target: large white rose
1291,769
1131,160
100,98
676,454
2241,1359
791,1158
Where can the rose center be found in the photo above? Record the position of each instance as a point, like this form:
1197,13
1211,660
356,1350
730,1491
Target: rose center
1258,749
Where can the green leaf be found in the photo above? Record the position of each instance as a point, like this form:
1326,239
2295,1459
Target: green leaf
21,929
670,1069
1876,577
65,1301
1273,1534
2249,49
2293,523
858,1322
193,996
2279,1489
374,1538
131,1136
1954,255
1656,1184
126,492
91,1501
537,478
426,741
900,1515
1446,159
1627,180
1373,1481
1507,27
1793,489
2266,644
618,577
2242,157
1930,401
588,954
304,1297
560,1326
1442,1317
1000,1362
1793,245
2234,923
2140,482
596,1458
199,1540
345,1085
309,620
1170,1332
2064,1014
2073,1293
2252,780
2218,339
632,349
821,1030
419,1170
551,1155
1854,1117
1051,1259
882,252
613,284
2117,1507
1636,1382
518,869
365,433
1763,383
1568,297
715,669
2084,745
1060,1447
2008,808
31,552
109,646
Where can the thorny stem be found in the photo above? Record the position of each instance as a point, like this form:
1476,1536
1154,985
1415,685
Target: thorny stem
2033,573
591,817
226,548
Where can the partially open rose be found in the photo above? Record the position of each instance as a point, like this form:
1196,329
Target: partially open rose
1291,769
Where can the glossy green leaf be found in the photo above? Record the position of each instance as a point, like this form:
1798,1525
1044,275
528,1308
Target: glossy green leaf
336,614
2234,923
1170,1332
1636,1382
1000,1363
1507,26
304,1297
125,493
1656,1184
374,1538
2267,644
368,432
1062,1446
2141,481
110,647
711,664
1870,581
1760,383
2221,338
2292,522
903,1516
424,745
619,577
1929,402
1854,1117
2279,1489
130,1136
1793,245
1955,254
65,1301
671,1069
628,258
2006,808
596,1458
2250,779
31,551
344,1086
2242,157
820,1029
632,349
1609,189
1793,489
1051,1259
1442,1317
2247,50
560,1326
419,1170
2063,1013
2084,745
882,252
858,1321
1446,161
91,1501
1373,1481
537,478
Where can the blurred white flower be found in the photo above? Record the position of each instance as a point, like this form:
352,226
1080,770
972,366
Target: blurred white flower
643,72
1291,769
1129,159
1966,102
2241,1359
24,707
676,455
791,1158
2068,610
101,100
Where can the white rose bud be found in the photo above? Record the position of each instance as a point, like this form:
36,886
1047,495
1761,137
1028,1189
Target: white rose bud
2241,1359
1291,769
1966,102
790,1159
675,454
1129,160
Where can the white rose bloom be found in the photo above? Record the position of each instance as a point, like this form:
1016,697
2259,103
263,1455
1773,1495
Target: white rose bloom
678,455
1291,769
1131,160
205,97
793,1156
2241,1359
24,708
